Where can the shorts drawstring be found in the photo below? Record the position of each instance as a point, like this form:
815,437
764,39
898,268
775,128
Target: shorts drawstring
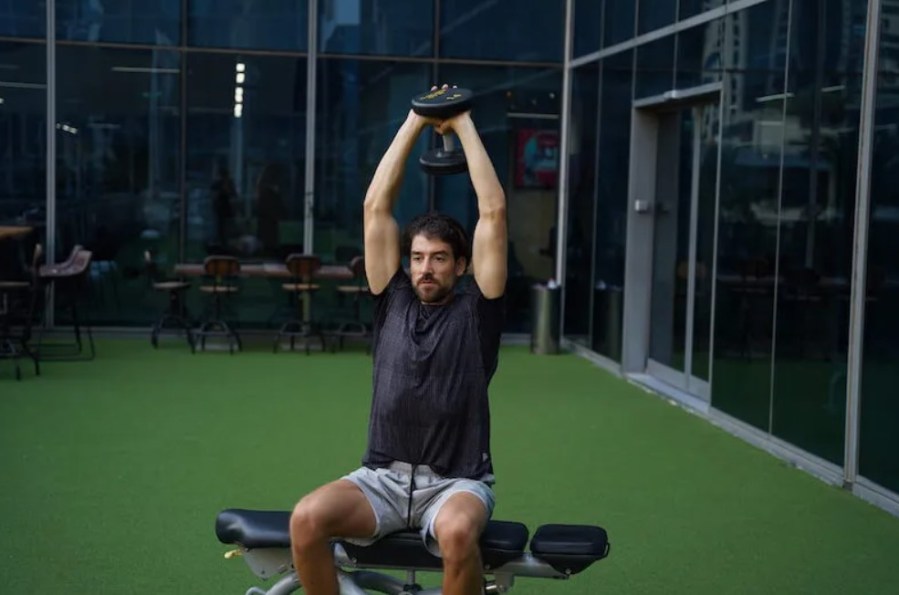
411,490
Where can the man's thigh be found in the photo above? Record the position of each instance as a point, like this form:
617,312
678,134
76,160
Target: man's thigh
387,495
474,500
341,508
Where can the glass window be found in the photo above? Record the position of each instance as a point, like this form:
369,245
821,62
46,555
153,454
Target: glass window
246,152
752,133
246,135
700,52
581,203
689,8
264,25
502,30
23,19
611,208
817,215
23,171
517,112
878,439
117,170
655,14
124,21
391,27
655,67
360,106
618,20
587,27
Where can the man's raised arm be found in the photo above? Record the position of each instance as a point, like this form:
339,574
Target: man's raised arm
382,240
490,244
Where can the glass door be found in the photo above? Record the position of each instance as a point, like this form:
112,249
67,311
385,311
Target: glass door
686,167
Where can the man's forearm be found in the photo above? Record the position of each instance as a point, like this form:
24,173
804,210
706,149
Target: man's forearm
385,184
491,197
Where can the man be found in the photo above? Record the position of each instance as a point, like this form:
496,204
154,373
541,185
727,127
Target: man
435,351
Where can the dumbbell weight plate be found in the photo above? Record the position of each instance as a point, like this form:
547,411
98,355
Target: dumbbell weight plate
439,162
442,103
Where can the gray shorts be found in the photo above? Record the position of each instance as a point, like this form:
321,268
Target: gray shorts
387,490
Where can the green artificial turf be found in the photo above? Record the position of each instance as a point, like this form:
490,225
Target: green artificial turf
113,471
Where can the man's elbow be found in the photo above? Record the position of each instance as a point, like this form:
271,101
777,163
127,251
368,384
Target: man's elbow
495,212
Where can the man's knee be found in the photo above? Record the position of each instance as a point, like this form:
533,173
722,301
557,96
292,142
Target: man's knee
307,523
458,536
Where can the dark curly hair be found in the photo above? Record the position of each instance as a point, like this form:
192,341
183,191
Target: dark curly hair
442,227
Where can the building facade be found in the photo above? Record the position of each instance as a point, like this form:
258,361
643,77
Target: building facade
711,181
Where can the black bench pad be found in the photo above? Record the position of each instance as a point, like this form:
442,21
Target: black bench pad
501,541
569,549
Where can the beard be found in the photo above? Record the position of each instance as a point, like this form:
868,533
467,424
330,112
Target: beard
433,293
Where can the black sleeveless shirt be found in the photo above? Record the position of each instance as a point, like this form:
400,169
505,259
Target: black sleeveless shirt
432,367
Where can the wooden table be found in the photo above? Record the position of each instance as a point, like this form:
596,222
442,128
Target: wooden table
8,232
269,270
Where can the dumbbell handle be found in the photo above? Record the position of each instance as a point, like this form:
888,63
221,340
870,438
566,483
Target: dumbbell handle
449,144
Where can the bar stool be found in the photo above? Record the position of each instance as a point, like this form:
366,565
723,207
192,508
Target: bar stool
302,269
221,273
175,316
355,329
18,304
68,277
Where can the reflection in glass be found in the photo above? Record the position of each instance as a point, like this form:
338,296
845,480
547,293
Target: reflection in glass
700,54
123,21
23,170
878,438
816,226
655,67
747,233
671,238
619,21
376,27
655,14
361,105
587,27
117,168
611,206
23,19
689,8
582,161
502,30
517,112
246,130
274,25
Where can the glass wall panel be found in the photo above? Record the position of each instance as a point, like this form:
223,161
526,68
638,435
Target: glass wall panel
391,27
655,67
611,209
245,167
265,25
123,21
618,21
655,14
587,27
817,224
117,169
361,104
23,153
517,112
582,163
689,8
23,19
878,439
502,30
700,55
747,234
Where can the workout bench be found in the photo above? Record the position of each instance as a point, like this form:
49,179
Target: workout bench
555,551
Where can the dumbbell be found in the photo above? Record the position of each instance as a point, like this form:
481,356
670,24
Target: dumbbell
443,104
